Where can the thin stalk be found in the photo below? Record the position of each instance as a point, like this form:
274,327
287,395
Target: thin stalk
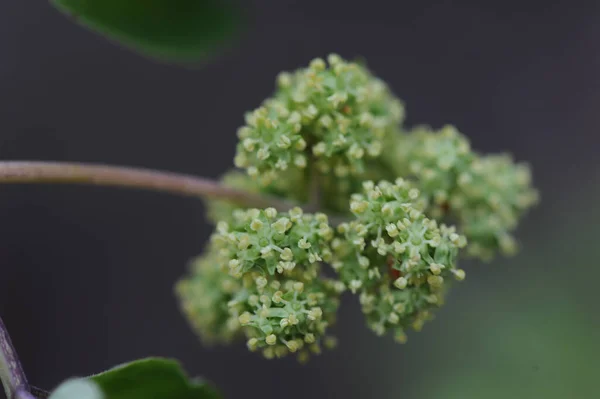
105,175
11,373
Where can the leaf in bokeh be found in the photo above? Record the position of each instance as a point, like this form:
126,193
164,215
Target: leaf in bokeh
152,378
169,30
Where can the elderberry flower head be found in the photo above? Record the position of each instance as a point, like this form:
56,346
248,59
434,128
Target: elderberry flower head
394,257
337,114
327,134
484,195
284,314
269,241
492,195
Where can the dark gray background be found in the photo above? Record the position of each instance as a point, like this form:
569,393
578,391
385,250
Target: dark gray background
87,273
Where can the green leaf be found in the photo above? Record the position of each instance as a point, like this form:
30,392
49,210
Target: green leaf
169,30
151,378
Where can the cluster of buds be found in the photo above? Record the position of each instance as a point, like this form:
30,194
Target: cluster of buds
485,195
492,196
287,314
331,138
394,257
271,242
336,114
271,141
262,278
279,315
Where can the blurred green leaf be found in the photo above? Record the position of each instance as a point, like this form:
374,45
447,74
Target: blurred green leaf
152,378
170,30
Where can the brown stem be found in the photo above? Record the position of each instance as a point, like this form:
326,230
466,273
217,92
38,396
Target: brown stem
104,175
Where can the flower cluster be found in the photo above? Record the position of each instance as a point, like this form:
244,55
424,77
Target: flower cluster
287,314
262,277
492,196
484,195
271,141
338,115
435,158
406,205
270,242
395,257
280,314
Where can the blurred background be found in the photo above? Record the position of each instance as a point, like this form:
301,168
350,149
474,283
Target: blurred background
87,272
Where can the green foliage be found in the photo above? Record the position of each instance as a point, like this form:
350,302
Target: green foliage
151,378
173,30
331,138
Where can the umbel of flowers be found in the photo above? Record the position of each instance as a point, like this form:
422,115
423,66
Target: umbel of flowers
389,209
